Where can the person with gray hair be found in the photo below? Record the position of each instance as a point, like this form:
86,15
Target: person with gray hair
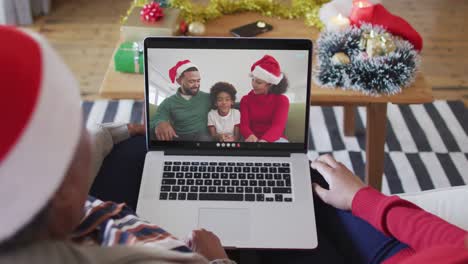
48,161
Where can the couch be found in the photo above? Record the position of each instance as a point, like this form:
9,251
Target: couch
449,203
295,127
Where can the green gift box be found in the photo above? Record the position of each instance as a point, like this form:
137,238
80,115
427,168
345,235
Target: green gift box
129,57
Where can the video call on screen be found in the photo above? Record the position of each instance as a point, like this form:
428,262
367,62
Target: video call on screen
227,96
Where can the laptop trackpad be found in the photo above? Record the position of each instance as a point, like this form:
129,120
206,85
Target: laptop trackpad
228,224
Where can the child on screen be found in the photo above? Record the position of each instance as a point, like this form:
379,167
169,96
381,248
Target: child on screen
223,119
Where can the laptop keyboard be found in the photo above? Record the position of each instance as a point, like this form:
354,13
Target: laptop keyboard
226,181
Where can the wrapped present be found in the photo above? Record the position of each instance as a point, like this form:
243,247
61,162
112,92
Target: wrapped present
377,44
129,57
134,29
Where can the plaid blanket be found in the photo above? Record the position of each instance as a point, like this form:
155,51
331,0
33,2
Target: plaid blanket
109,224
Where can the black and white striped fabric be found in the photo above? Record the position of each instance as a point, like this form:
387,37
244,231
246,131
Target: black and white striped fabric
426,145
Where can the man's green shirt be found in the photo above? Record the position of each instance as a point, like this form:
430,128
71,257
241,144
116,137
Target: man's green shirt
186,116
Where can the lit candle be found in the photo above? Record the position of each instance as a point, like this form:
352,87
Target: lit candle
361,3
361,10
338,23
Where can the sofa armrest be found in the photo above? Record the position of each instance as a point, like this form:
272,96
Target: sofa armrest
449,204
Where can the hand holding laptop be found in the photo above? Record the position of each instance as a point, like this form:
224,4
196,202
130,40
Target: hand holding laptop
343,183
251,138
207,244
136,129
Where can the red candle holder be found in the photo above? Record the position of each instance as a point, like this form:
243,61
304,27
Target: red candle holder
361,11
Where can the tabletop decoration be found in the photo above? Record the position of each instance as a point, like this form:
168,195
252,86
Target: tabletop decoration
376,44
151,12
129,57
202,13
338,22
378,15
367,59
150,20
334,8
196,28
372,50
141,4
183,27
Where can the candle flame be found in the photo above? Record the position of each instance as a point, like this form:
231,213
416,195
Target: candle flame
362,4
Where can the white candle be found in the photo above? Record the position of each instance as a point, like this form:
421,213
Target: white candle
338,23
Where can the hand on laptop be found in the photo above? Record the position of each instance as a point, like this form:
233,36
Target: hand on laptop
164,131
251,138
228,138
343,183
136,129
207,244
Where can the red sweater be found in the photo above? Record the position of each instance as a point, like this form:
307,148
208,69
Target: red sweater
430,239
264,115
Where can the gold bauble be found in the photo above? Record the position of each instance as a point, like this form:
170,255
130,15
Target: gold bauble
340,58
196,28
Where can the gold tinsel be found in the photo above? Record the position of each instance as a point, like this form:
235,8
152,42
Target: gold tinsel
135,3
306,9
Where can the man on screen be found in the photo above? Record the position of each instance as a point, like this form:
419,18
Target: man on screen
183,116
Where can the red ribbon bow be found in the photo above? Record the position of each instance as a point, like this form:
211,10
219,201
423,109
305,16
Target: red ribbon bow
151,12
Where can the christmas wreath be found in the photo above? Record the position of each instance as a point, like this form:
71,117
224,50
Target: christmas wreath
366,59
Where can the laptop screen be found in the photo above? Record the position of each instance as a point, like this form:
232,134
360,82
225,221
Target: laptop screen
227,94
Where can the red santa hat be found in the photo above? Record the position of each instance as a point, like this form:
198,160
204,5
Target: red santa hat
179,68
267,69
379,15
41,117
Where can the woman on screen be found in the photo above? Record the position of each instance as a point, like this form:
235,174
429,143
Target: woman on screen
264,110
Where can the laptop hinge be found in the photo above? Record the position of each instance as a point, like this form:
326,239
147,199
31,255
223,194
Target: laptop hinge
269,153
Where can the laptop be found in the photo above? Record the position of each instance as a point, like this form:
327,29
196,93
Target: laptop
250,193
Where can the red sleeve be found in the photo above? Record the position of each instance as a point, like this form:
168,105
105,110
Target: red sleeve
244,118
405,221
280,117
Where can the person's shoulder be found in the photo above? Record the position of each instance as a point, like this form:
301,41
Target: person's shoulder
236,115
213,112
171,98
204,94
281,98
235,112
246,97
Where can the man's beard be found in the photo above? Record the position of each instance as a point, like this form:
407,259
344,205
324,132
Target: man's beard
189,91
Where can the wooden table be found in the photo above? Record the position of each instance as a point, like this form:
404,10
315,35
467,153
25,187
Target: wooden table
131,86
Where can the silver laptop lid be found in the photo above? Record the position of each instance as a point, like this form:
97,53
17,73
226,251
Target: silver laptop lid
227,95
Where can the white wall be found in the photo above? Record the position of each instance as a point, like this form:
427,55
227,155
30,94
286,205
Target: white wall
231,66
